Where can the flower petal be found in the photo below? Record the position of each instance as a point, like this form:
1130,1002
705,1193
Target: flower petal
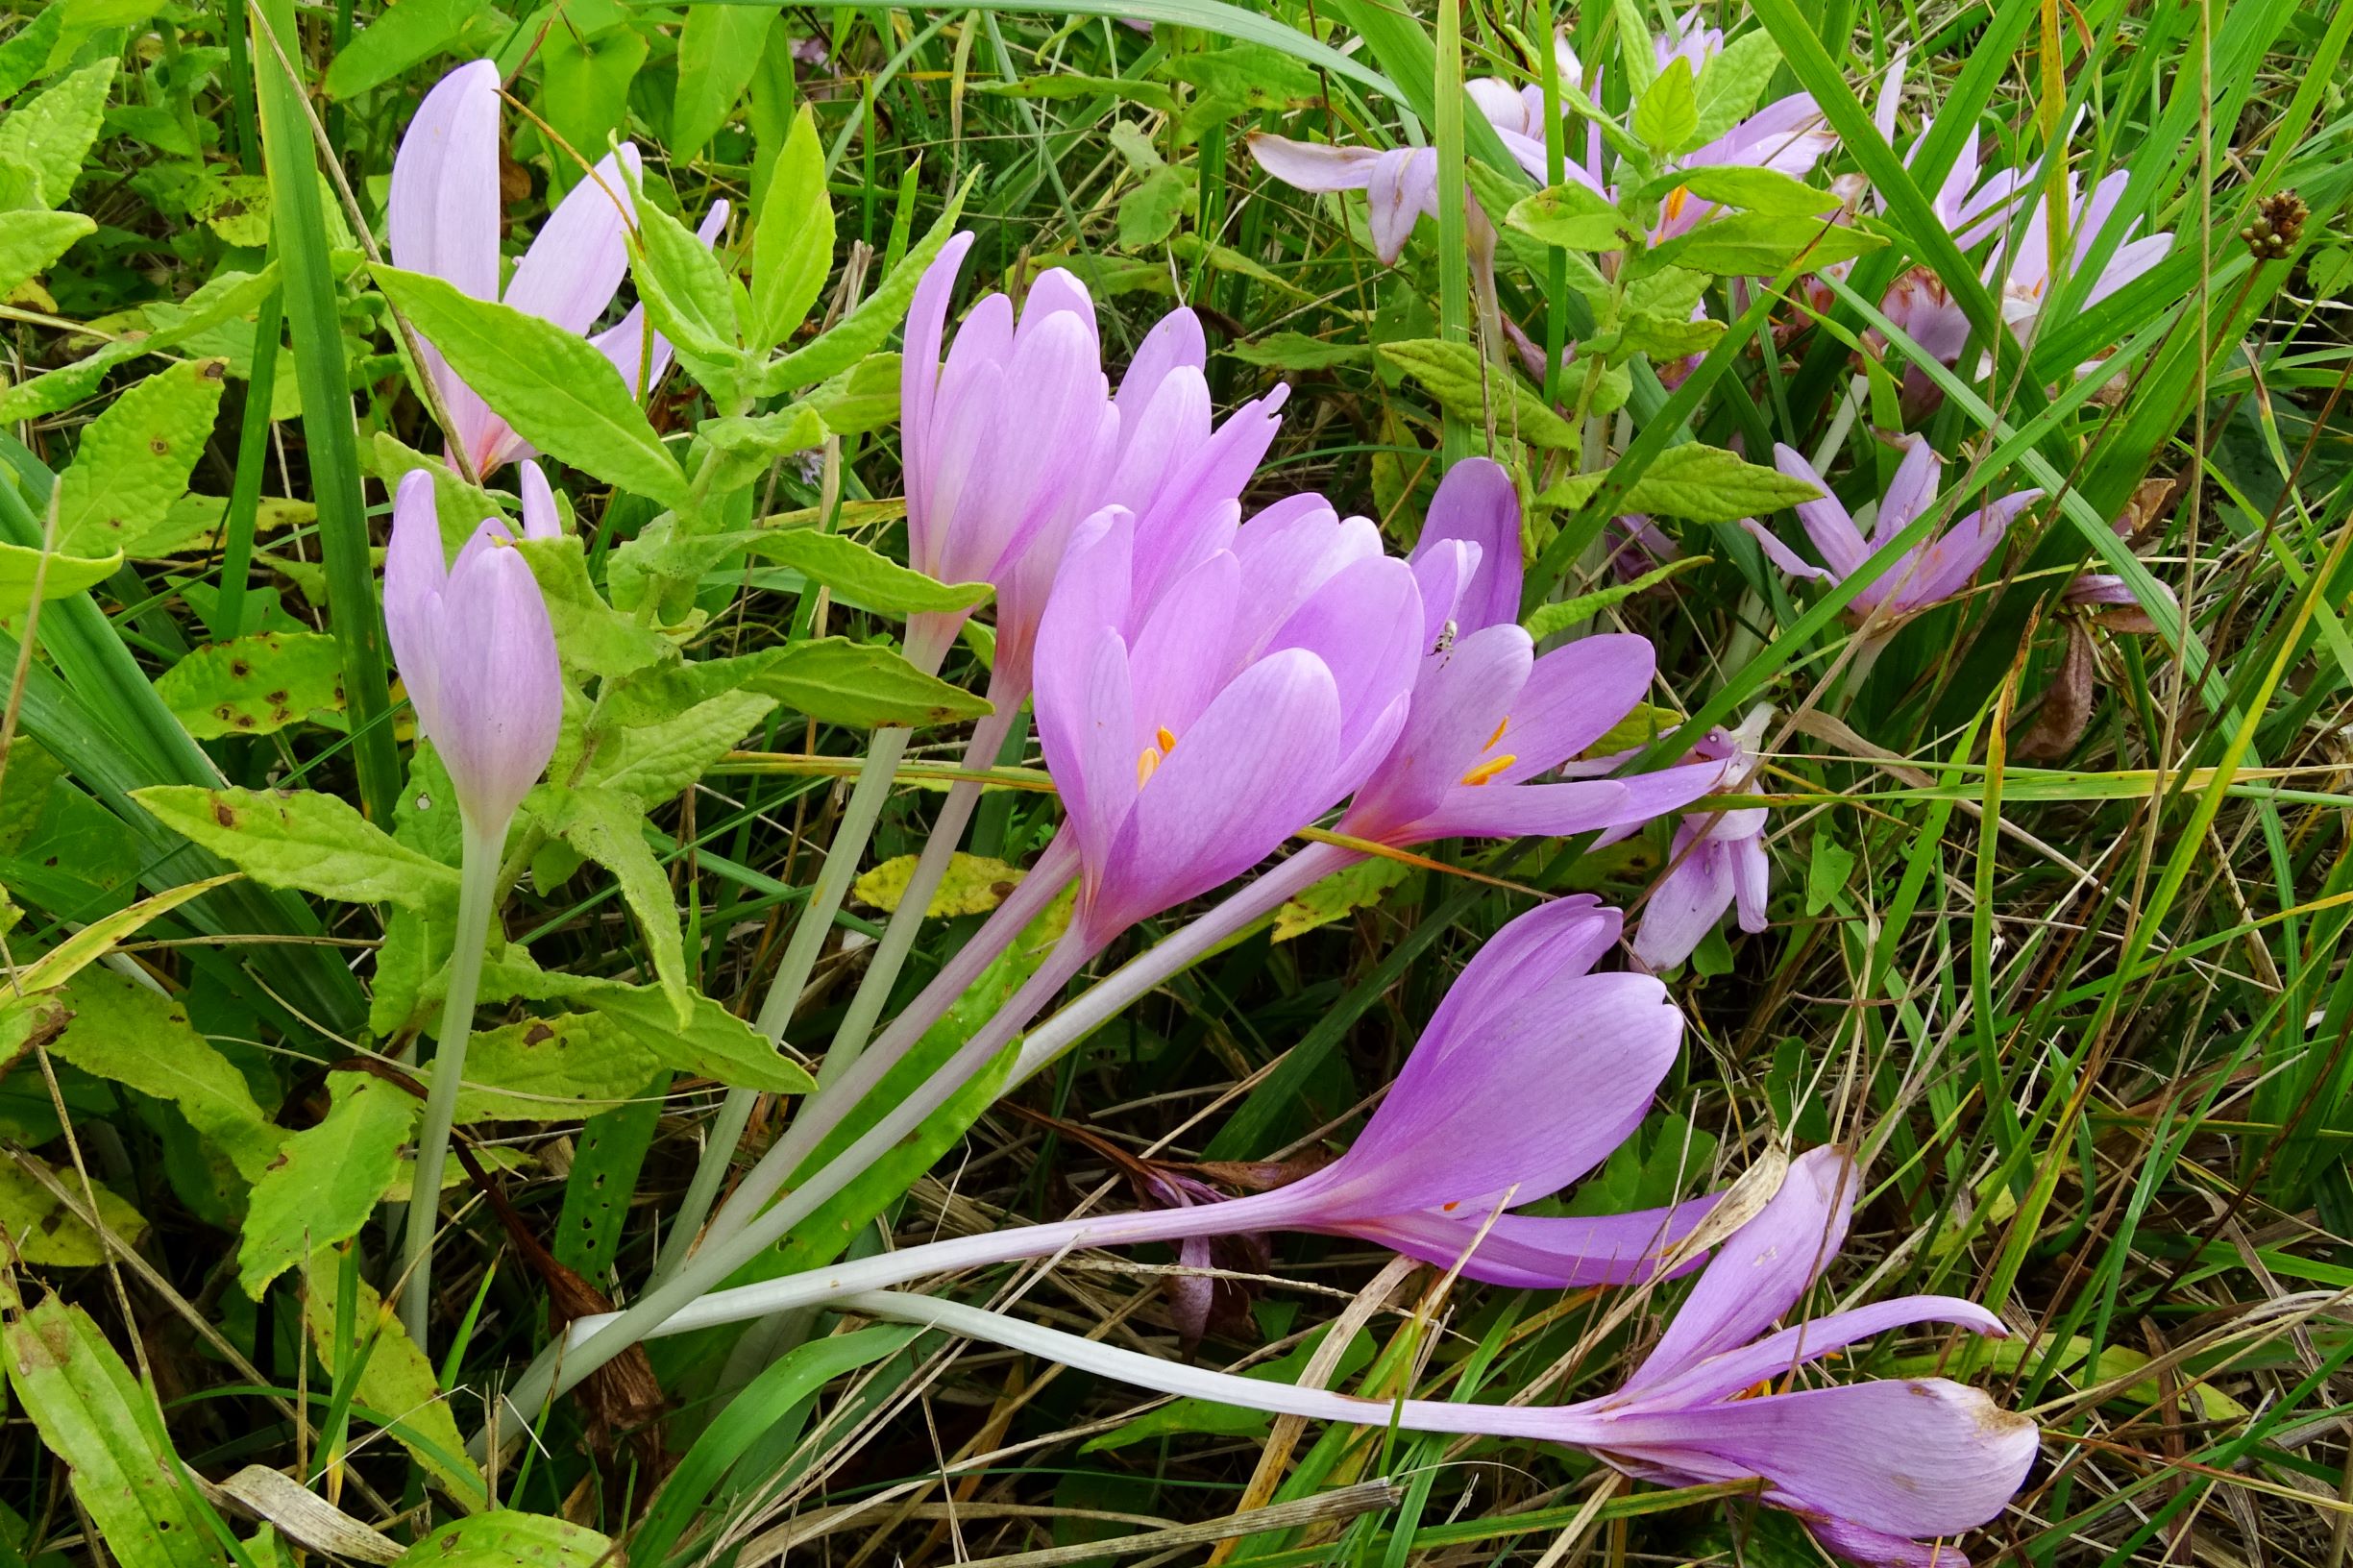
578,257
1477,503
1304,165
1759,1274
1827,522
1539,1251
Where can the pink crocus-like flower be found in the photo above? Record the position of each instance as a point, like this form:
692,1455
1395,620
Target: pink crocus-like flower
1718,859
1007,440
1934,572
475,649
1877,1470
1192,735
1529,1073
443,218
1490,719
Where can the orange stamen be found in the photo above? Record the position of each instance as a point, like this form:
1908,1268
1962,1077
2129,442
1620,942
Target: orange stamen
1488,769
1498,735
1167,742
1147,763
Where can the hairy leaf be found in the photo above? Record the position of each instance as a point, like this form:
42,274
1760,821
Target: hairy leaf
327,1180
305,840
257,685
135,458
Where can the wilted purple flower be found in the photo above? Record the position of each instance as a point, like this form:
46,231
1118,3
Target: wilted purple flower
2112,603
1718,859
1190,736
1489,719
475,649
443,218
1927,575
1529,1073
1875,1470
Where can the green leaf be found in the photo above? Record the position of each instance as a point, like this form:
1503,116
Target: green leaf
29,242
396,1383
135,458
46,1232
1575,218
607,826
1753,189
51,135
327,1180
503,1538
605,1160
688,295
651,761
746,444
1549,619
862,331
1732,81
791,247
837,681
591,636
1669,111
1634,51
584,79
26,54
94,1416
1463,383
58,576
863,398
714,1043
719,50
257,685
130,1035
304,840
558,392
1827,866
1344,891
972,884
1709,485
795,1377
561,1068
1296,350
1761,244
401,35
860,577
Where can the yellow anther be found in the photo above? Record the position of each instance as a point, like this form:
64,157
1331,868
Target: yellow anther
1498,735
1488,769
1675,199
1167,742
1147,763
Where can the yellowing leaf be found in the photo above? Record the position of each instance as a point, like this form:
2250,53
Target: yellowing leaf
45,1232
1351,888
974,885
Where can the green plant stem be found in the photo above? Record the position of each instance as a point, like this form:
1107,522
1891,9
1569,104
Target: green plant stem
477,894
252,459
926,645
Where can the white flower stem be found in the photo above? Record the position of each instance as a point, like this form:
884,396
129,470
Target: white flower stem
1261,1211
825,1110
558,1372
889,954
476,892
926,645
1553,1424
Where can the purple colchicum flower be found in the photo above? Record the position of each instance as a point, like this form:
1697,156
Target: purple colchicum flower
1490,719
1190,736
1017,436
1472,1127
1718,859
1884,1472
1935,570
475,649
1876,1470
442,215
